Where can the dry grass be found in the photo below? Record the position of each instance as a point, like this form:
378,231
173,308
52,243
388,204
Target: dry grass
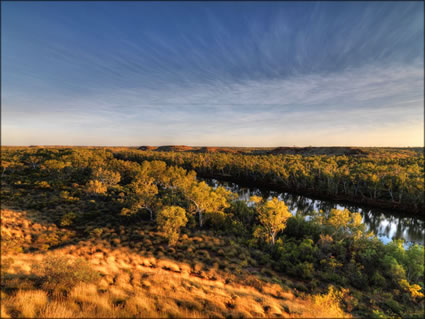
136,285
25,230
27,303
57,309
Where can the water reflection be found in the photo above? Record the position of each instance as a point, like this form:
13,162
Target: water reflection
385,224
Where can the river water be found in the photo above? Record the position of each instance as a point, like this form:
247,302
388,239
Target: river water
385,224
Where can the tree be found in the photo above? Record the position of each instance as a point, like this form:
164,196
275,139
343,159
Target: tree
415,262
5,165
141,194
272,215
34,161
107,177
171,219
344,223
102,179
96,187
207,200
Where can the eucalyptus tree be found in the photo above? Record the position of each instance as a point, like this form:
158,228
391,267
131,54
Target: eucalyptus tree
141,194
272,215
207,200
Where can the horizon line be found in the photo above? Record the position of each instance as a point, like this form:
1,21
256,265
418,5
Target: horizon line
234,146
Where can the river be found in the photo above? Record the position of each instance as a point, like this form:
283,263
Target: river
385,224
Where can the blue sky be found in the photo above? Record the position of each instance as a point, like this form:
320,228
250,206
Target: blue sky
215,73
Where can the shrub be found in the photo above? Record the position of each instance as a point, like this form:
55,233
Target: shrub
95,187
377,314
393,305
378,280
305,270
331,301
414,290
68,219
59,274
45,240
97,232
6,263
253,281
44,184
333,277
203,254
170,219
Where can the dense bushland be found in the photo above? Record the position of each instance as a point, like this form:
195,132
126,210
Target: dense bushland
86,192
388,179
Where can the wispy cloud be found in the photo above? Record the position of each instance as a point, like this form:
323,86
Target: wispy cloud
333,75
368,98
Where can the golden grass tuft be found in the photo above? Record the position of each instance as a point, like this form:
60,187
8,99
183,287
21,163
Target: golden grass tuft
28,303
57,309
3,312
84,292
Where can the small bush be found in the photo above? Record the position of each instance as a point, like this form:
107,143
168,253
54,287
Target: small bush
305,270
6,263
46,240
68,219
393,305
97,232
59,274
44,184
254,282
331,302
203,254
171,219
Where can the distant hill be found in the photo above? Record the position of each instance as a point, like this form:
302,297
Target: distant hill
174,148
291,150
147,148
208,149
310,151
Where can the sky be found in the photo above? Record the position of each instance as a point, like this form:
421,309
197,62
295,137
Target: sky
212,73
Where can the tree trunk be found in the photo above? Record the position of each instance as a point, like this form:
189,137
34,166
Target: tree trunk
199,212
391,194
200,219
150,212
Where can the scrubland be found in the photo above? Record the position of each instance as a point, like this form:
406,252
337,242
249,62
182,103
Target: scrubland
90,232
139,276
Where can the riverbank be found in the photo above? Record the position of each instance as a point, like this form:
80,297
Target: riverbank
385,180
337,199
385,224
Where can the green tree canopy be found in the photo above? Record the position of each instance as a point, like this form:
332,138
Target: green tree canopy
272,215
170,219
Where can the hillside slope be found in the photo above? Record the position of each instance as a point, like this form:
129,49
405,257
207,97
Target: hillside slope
135,281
